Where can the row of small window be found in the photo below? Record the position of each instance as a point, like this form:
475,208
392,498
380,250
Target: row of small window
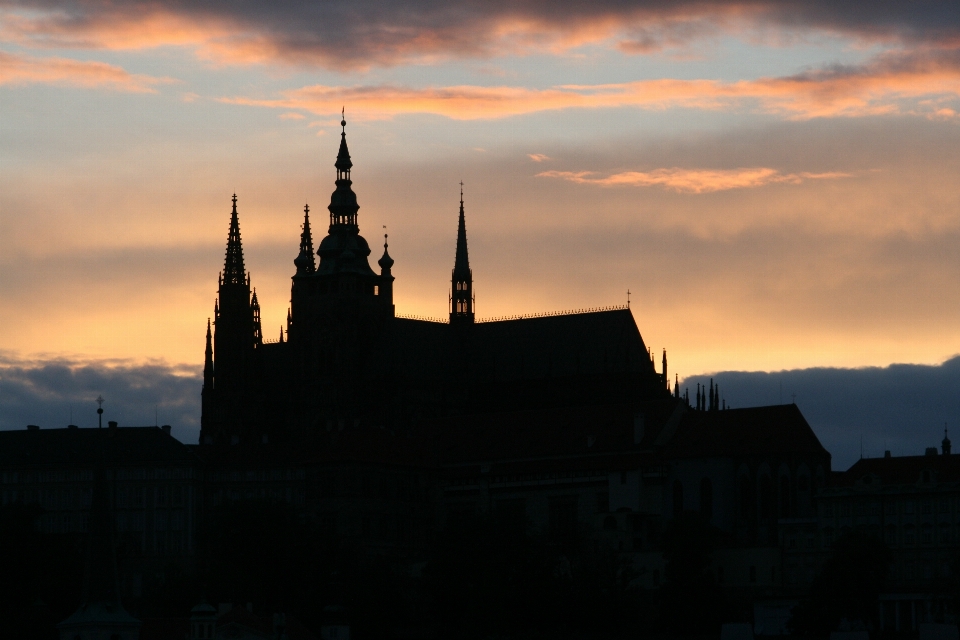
175,473
906,535
844,508
49,498
162,496
291,496
162,521
31,477
63,522
161,543
262,475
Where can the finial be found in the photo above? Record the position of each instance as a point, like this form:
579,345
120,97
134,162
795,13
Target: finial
628,298
234,201
343,120
306,209
461,192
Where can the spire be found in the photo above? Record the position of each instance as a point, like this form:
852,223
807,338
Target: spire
208,360
461,290
233,270
281,333
461,265
946,441
676,386
255,307
385,262
343,163
343,202
304,261
666,379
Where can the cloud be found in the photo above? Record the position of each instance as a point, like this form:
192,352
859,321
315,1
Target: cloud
47,391
925,84
692,180
292,116
901,408
537,157
350,34
19,69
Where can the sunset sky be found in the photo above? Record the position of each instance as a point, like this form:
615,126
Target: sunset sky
775,182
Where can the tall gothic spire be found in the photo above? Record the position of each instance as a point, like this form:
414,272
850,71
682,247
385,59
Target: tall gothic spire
461,290
208,360
305,261
461,265
233,270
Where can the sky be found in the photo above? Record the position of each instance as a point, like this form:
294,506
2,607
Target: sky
773,181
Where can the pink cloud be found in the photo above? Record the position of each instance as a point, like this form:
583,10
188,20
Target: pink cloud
890,84
17,69
692,180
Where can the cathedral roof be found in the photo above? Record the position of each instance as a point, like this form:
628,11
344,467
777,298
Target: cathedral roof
550,346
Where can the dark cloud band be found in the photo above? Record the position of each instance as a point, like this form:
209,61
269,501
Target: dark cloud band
365,32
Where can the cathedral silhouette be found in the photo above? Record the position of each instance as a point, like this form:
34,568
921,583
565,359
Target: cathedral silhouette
345,359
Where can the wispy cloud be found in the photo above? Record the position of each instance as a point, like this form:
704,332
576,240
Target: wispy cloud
920,84
692,180
537,157
19,69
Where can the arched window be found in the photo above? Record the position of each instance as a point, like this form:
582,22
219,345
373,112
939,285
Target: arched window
766,498
785,502
677,498
706,498
748,503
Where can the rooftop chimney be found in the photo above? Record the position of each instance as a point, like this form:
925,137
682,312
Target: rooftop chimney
886,454
931,451
166,429
33,427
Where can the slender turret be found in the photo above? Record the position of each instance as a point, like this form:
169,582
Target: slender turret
305,260
461,289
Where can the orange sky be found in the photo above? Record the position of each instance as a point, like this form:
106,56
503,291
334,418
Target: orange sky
775,185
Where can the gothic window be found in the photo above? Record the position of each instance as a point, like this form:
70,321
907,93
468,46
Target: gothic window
785,503
747,502
706,498
767,498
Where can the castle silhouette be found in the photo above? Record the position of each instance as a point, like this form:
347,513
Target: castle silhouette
346,359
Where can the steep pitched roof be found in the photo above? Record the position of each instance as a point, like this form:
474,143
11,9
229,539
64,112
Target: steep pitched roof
549,346
754,431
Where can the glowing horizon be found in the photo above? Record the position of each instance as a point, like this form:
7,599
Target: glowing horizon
774,184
